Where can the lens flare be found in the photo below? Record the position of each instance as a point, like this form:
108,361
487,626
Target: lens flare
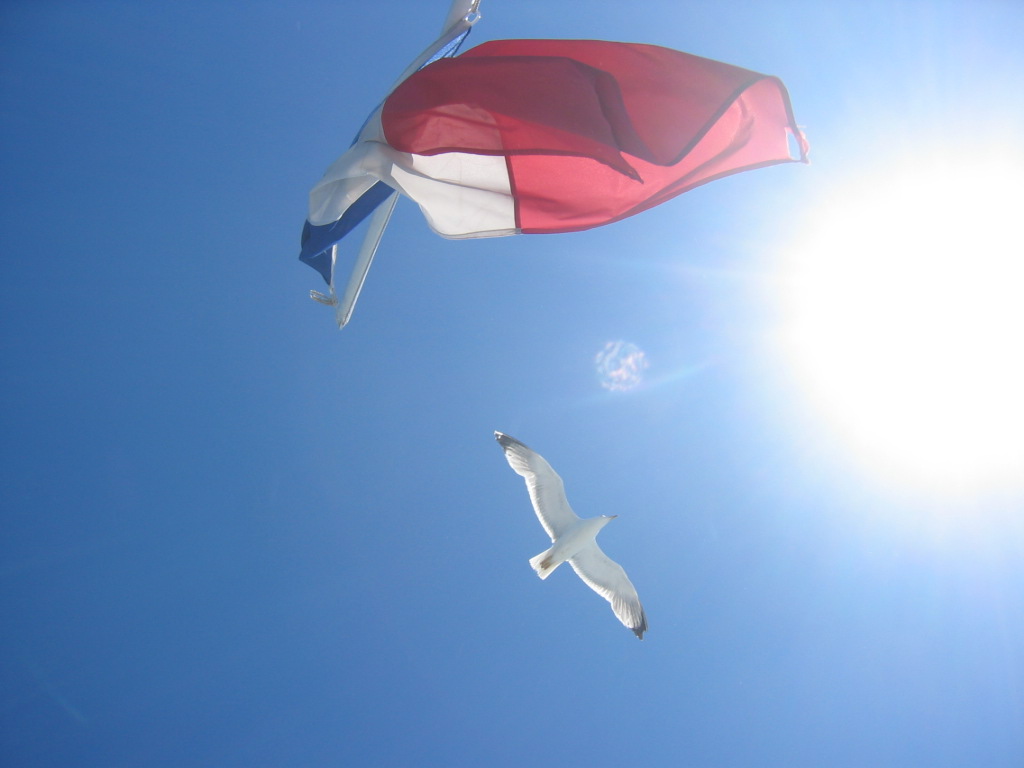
620,366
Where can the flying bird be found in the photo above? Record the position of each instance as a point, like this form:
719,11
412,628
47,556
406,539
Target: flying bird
574,539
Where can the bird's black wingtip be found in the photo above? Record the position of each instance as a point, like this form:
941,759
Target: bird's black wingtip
504,440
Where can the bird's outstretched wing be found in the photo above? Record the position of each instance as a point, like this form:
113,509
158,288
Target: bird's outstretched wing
545,486
608,579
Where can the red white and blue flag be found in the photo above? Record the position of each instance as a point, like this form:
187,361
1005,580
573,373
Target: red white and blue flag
543,136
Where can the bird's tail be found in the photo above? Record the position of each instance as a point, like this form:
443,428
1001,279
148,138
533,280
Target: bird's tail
543,564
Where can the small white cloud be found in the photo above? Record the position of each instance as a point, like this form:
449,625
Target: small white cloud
620,365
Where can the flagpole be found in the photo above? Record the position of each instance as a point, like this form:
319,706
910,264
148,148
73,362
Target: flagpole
462,15
378,223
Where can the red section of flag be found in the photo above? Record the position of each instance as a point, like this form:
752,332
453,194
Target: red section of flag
593,131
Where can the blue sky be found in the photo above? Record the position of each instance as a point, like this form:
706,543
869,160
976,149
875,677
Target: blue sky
236,536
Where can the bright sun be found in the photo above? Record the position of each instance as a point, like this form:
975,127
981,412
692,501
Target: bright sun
906,319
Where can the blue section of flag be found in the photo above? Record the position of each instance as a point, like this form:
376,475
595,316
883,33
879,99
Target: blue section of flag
317,240
450,49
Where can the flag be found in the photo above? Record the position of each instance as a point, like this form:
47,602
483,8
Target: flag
545,136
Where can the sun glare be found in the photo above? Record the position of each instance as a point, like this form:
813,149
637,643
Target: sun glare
906,319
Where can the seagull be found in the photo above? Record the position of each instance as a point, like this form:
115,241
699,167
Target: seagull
574,538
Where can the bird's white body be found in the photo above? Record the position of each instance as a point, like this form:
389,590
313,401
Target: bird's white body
574,540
